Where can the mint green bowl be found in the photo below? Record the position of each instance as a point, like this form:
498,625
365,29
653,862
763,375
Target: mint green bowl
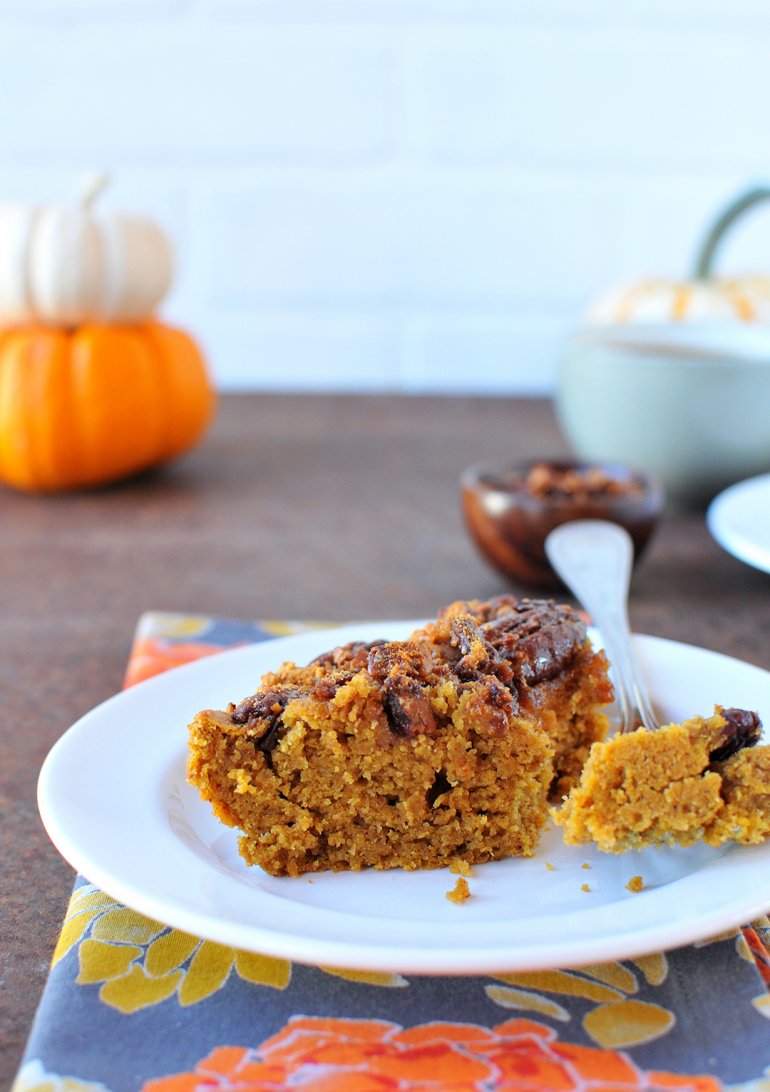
689,404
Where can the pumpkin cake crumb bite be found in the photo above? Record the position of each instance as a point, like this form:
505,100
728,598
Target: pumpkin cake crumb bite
705,779
635,884
441,750
461,892
585,887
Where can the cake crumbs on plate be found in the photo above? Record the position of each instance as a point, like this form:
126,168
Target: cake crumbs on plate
636,883
460,892
585,887
549,866
585,865
459,867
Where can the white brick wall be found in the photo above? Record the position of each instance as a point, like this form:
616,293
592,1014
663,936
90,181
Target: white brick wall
415,195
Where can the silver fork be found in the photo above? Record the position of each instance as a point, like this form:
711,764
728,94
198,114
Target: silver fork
593,557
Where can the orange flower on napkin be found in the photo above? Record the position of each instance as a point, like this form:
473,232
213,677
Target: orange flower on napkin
337,1055
152,656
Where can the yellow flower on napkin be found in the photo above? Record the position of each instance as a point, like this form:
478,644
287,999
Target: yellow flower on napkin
618,1020
138,962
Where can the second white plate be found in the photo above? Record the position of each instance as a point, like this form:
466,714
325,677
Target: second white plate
114,799
739,519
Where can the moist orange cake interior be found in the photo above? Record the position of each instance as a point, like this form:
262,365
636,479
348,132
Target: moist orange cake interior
705,779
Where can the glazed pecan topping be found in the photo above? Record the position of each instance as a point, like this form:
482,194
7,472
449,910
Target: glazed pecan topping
493,704
543,655
351,657
554,480
479,656
743,729
501,647
262,713
407,706
403,670
529,641
399,657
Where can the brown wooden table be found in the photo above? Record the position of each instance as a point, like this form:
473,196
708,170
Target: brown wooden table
318,507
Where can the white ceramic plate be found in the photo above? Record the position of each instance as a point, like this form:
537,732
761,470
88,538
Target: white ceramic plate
114,799
739,519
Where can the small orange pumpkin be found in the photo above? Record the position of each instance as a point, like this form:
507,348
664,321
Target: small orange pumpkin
97,403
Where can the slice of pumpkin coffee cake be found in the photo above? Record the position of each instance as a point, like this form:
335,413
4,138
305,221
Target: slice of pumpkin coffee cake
412,754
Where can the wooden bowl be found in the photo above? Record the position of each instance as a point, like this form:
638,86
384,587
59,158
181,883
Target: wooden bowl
510,510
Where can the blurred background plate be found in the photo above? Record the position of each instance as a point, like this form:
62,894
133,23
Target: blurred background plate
739,519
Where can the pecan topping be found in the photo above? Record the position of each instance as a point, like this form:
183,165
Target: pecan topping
529,641
403,669
743,729
578,482
401,657
479,656
501,647
351,657
542,655
493,704
262,713
407,707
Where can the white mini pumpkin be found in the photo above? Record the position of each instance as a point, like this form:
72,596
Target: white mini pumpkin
702,298
659,301
68,265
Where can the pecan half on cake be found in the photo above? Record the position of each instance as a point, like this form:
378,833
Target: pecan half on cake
412,754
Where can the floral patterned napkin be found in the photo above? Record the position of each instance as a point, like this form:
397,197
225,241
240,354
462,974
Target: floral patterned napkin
131,1004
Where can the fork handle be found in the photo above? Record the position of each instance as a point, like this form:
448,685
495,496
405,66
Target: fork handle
594,557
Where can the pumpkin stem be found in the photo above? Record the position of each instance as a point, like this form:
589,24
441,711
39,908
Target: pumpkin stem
734,210
95,185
